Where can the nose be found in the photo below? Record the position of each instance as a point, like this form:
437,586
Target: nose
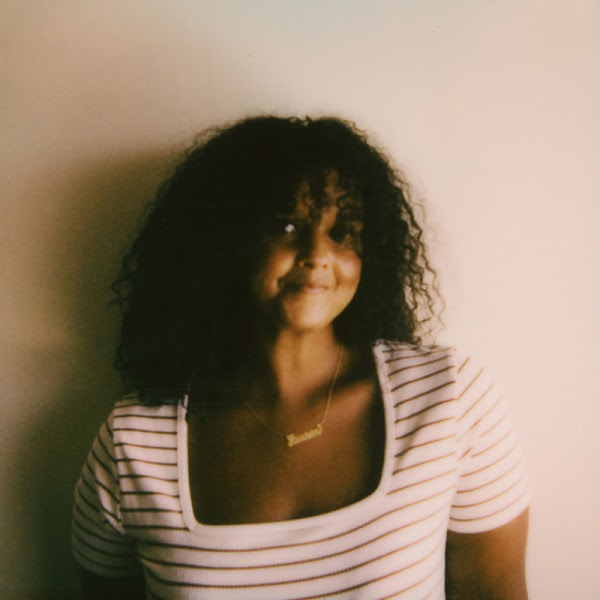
314,250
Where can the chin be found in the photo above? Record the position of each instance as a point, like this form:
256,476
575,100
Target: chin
305,323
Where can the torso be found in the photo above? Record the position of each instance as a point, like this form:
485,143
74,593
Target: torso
241,472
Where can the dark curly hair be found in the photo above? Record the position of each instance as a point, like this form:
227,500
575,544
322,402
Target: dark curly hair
182,286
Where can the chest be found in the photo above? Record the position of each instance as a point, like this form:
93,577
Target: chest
242,472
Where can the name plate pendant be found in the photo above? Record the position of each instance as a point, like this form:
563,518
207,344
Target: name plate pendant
294,439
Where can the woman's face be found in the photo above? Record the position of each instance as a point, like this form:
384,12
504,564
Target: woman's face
309,268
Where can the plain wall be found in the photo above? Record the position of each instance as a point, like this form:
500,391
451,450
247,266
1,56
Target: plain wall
490,107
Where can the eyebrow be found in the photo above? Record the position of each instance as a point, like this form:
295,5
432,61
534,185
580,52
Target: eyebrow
349,207
352,210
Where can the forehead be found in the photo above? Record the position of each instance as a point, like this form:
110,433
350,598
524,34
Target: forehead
311,200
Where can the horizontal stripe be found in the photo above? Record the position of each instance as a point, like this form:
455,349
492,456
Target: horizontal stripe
421,394
121,415
139,430
419,428
416,365
267,549
148,493
424,462
117,571
401,354
151,510
112,552
291,581
491,465
439,581
488,448
422,378
463,365
145,446
508,470
474,405
107,452
422,445
279,565
98,534
147,462
487,516
145,476
422,411
452,461
423,481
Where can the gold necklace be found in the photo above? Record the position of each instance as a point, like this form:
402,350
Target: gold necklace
293,439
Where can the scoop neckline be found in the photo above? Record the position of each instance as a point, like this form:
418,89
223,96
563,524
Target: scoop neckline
344,513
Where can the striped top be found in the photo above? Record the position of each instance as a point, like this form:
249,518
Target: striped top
451,462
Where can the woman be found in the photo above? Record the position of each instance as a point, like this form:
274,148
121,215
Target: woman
287,435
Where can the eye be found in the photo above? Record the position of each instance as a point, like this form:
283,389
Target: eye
339,232
283,227
347,233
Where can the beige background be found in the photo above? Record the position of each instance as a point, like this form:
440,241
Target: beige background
492,108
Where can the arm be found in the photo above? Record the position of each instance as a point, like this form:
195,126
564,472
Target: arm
99,541
95,587
488,565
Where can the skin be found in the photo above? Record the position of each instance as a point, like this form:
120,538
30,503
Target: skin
307,275
488,565
309,270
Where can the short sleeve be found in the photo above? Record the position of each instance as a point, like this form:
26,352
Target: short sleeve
99,542
492,487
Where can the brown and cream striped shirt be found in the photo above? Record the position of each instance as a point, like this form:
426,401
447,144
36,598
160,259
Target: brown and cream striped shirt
451,462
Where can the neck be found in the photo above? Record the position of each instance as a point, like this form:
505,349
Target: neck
296,366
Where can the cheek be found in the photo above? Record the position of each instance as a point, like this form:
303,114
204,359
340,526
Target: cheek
349,270
270,268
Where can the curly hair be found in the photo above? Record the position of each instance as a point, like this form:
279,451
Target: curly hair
182,288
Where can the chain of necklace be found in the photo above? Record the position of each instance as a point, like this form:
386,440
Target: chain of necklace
293,439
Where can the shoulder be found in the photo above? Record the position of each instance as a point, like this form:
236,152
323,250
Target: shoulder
406,363
439,381
418,383
402,365
391,350
144,442
442,397
131,417
134,404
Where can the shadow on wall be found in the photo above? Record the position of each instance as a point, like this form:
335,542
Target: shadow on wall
100,208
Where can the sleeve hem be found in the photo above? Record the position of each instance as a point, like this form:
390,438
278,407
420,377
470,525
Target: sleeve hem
113,572
495,521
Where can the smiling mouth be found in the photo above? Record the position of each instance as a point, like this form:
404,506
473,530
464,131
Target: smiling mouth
310,289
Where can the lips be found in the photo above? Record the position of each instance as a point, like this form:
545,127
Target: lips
308,287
